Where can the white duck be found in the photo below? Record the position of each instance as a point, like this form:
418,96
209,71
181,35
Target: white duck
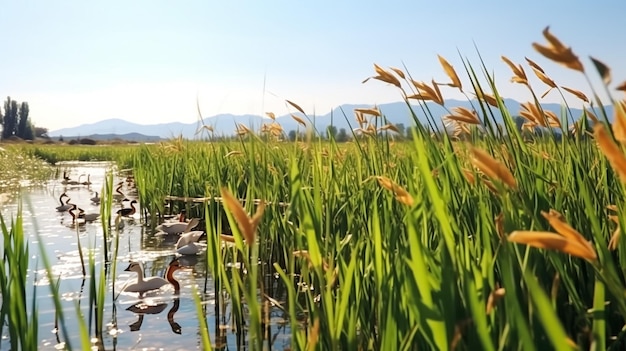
186,244
142,285
178,227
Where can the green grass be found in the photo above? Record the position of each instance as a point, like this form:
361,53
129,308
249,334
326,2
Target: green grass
364,264
19,315
19,167
55,153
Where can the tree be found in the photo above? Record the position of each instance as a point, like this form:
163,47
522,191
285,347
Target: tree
24,128
292,135
519,122
342,136
401,128
331,132
10,118
29,132
41,132
409,133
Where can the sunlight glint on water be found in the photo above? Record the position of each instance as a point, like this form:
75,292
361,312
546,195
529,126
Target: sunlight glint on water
148,327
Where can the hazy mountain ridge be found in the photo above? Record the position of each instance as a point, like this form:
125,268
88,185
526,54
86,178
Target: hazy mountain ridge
341,117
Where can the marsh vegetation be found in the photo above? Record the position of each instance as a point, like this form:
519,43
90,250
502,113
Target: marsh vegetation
481,236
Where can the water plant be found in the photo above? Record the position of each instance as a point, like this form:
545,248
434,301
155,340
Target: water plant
487,229
20,318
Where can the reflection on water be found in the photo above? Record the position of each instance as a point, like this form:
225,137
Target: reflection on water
145,307
60,238
130,322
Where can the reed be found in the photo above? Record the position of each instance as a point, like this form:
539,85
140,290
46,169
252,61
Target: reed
19,168
52,154
20,319
426,244
478,232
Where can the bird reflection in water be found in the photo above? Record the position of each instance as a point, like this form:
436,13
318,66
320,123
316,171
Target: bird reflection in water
142,285
142,308
176,328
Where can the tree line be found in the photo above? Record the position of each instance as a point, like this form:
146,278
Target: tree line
15,121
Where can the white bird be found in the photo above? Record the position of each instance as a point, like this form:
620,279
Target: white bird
188,237
186,244
191,249
142,285
178,227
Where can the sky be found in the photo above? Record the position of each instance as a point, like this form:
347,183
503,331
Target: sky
148,62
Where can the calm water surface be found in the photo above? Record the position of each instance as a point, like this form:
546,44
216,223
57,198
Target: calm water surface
159,321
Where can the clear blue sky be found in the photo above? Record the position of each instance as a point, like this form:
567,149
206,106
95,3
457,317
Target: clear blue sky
149,61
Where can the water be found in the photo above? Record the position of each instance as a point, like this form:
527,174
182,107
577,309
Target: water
159,321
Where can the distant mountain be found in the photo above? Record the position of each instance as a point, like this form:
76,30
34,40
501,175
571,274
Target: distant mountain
126,137
340,117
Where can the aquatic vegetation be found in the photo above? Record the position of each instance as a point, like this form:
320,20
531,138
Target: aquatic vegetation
20,318
20,169
482,231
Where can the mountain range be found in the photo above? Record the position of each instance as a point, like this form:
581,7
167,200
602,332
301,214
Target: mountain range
340,117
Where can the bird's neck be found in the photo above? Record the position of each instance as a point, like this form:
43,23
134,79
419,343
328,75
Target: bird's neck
140,275
169,276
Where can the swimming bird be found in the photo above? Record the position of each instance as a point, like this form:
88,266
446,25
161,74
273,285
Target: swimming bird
119,195
88,217
142,285
76,220
188,237
96,198
87,182
186,244
128,211
66,178
64,206
75,182
61,198
130,181
180,217
178,227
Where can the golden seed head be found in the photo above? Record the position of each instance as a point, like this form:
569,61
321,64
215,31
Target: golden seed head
447,67
557,52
